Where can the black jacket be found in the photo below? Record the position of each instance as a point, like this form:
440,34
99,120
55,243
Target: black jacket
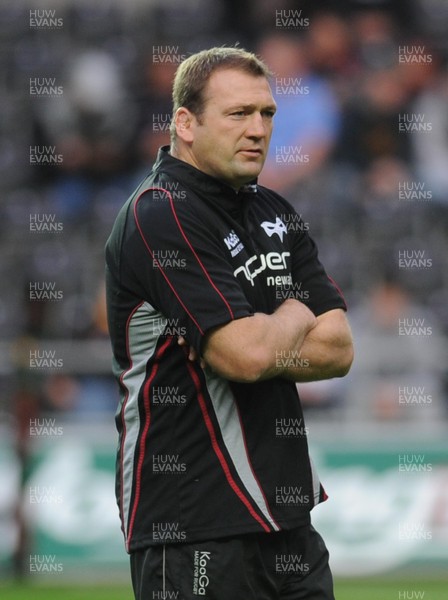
201,457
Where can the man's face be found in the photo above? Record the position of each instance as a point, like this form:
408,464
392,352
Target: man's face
231,136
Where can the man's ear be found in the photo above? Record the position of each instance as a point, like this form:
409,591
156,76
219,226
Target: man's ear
184,121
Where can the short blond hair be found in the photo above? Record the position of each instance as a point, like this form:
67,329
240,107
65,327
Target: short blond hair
194,72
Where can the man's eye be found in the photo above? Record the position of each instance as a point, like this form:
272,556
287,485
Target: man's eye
239,113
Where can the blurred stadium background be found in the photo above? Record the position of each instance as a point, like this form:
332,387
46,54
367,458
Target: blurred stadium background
361,150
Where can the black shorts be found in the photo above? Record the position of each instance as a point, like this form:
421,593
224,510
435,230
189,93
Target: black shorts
288,565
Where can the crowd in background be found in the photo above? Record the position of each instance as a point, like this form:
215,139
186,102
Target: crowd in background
362,94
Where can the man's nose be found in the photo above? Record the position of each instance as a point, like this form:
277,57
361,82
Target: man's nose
257,127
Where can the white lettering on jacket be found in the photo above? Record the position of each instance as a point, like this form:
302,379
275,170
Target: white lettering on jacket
256,264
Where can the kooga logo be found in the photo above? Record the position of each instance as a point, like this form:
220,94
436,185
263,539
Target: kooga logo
201,579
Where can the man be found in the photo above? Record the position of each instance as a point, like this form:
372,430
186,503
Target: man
214,481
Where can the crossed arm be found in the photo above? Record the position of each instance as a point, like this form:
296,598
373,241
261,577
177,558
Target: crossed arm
290,343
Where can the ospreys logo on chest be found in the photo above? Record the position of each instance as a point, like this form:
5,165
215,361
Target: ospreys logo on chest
278,227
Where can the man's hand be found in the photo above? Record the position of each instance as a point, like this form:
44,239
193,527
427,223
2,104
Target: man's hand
327,350
192,354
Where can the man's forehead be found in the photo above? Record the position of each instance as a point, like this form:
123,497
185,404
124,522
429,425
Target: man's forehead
236,85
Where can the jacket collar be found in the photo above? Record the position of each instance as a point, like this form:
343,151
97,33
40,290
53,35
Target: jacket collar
203,184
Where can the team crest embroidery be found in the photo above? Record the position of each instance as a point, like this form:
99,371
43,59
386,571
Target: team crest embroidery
278,227
233,243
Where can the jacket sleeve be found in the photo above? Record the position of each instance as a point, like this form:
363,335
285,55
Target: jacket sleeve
181,267
315,288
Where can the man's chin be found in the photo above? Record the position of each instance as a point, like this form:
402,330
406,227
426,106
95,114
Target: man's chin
251,170
247,179
245,173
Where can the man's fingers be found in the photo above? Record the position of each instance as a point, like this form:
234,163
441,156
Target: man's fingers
192,354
